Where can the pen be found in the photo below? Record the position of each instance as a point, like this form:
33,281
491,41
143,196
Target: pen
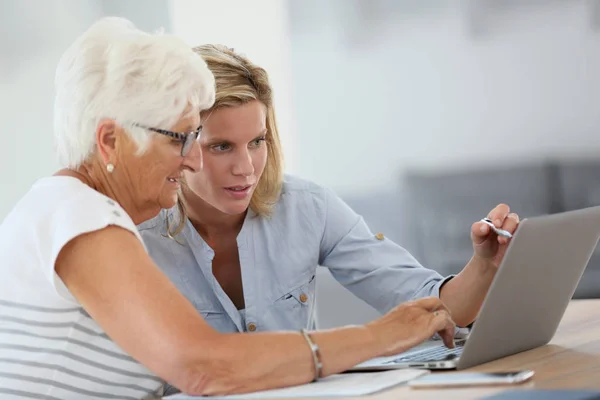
499,232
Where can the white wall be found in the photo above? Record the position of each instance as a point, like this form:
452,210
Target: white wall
260,30
381,86
34,35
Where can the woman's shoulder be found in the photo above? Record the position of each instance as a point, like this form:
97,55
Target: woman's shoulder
300,199
300,189
81,204
65,193
60,208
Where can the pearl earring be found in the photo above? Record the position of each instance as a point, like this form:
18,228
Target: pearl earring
110,168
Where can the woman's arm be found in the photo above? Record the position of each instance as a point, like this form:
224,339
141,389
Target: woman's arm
371,266
465,293
115,280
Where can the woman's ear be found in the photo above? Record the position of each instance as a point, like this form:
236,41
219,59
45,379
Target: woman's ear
106,140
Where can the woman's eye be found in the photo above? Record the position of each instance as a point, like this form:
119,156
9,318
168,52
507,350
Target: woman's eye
221,147
257,142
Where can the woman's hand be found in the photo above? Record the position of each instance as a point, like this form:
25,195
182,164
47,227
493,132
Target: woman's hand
411,323
487,245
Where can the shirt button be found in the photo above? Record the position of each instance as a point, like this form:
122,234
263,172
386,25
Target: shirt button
379,236
303,297
252,327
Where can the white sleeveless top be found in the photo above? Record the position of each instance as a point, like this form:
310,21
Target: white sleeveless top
50,348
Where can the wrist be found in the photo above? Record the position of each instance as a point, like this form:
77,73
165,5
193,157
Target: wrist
375,333
482,265
316,354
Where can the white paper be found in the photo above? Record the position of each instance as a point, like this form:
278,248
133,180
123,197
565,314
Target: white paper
349,384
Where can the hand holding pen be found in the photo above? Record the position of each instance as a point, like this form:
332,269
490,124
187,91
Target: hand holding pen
491,235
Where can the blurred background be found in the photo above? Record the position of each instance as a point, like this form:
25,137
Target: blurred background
422,115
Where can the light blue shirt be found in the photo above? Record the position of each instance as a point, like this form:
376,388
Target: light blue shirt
310,226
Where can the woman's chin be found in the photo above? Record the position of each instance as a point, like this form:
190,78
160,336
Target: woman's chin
168,201
234,208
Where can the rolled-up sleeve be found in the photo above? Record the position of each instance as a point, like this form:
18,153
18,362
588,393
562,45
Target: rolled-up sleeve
372,267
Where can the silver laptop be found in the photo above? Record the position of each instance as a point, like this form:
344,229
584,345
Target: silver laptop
527,299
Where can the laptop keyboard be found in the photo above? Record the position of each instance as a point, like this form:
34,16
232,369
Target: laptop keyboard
436,353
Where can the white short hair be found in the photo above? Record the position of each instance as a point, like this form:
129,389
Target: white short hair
116,71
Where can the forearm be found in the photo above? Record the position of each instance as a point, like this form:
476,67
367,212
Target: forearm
240,363
116,282
464,294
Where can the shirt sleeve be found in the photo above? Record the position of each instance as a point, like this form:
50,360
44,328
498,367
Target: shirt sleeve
372,267
87,211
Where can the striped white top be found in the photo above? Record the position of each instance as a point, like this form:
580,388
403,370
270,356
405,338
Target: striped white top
50,348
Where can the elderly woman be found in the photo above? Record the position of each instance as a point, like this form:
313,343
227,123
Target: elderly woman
244,244
84,311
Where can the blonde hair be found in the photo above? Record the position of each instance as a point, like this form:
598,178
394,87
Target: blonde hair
239,81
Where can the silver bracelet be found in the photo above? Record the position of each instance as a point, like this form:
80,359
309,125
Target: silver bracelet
315,354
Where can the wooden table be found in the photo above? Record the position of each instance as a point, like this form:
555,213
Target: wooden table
570,361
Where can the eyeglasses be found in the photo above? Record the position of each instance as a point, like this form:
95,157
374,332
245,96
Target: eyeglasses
187,139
